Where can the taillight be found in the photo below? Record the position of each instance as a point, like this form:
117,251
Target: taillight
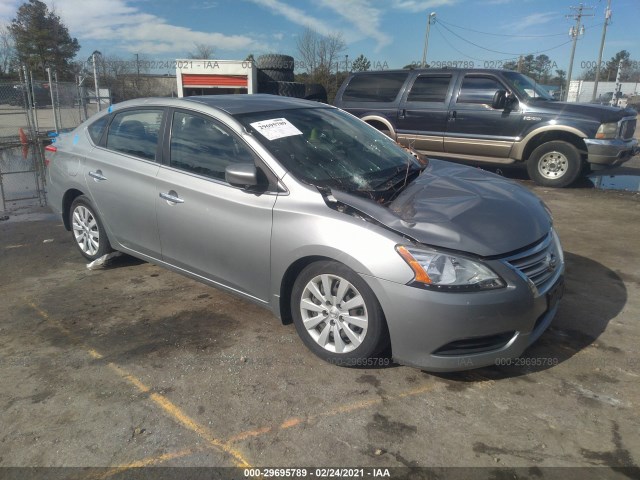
49,148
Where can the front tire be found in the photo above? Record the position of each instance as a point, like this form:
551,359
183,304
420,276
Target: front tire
337,315
554,164
88,233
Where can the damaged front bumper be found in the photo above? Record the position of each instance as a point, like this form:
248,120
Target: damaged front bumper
443,331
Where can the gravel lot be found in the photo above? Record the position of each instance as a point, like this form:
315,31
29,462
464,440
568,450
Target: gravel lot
136,366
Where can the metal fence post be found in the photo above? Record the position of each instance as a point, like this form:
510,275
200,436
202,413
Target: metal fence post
53,102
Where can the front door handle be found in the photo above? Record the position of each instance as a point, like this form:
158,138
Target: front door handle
171,197
97,176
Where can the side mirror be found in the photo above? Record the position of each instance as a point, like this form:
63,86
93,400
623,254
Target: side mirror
499,100
243,175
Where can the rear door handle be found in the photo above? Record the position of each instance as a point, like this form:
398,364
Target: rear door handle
171,197
452,115
402,113
97,176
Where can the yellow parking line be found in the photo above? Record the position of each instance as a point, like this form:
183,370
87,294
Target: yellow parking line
146,462
350,407
163,402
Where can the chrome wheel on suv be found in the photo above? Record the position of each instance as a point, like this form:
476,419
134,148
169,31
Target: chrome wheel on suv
554,164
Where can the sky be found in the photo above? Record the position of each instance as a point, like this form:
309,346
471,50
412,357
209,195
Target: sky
390,33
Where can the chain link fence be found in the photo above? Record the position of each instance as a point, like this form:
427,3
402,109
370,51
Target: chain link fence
30,113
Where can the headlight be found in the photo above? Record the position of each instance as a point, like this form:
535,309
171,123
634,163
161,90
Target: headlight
607,131
448,272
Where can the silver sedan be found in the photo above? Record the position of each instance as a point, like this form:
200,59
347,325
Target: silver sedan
306,210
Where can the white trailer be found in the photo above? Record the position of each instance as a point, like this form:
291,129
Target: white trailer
215,77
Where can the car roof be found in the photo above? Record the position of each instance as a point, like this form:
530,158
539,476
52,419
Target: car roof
433,70
239,104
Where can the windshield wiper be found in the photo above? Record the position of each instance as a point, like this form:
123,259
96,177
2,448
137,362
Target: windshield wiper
401,175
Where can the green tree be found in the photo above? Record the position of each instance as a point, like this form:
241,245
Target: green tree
540,69
560,78
361,64
609,69
42,40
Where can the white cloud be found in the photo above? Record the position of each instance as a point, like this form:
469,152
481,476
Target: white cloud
129,29
8,9
536,19
363,16
296,15
420,5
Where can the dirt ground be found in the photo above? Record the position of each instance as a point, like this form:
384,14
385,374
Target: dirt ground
136,366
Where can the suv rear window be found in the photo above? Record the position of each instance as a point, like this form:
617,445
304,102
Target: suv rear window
374,87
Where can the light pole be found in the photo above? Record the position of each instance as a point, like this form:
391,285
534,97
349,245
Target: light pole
430,19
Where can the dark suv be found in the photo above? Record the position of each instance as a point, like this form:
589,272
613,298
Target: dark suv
492,117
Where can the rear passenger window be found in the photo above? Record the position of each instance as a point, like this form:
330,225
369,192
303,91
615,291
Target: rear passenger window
430,89
374,87
96,128
479,90
203,146
135,132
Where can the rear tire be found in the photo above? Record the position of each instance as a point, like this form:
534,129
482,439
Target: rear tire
275,76
555,164
88,233
337,315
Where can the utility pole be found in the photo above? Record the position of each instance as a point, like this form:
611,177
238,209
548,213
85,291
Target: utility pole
617,93
575,32
607,19
430,19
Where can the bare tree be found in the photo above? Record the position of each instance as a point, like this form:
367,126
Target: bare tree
7,50
202,52
318,53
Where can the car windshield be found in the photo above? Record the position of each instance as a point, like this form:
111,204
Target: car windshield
327,147
527,87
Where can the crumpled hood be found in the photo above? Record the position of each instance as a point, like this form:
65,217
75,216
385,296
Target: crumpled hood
462,208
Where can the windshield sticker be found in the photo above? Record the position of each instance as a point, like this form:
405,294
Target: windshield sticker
276,128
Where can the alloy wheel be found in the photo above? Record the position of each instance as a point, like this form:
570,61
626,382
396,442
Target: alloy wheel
85,230
334,313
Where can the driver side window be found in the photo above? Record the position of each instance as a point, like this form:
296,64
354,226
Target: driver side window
478,90
205,147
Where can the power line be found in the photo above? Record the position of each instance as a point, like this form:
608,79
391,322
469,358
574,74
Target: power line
510,35
498,51
464,54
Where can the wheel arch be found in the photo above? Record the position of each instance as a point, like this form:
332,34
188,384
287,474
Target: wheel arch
68,198
380,123
532,141
289,278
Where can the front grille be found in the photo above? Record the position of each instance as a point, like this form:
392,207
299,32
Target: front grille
539,264
469,346
627,129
